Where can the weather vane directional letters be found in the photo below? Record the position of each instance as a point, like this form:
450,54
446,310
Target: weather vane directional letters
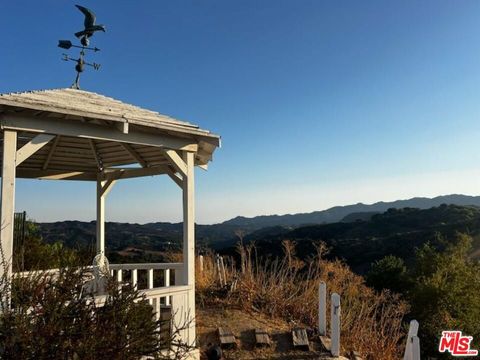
89,29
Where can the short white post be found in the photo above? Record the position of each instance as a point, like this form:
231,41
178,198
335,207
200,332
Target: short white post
167,284
335,324
412,332
200,263
134,278
415,348
322,308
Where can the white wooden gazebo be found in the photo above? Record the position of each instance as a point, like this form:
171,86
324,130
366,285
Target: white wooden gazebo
68,134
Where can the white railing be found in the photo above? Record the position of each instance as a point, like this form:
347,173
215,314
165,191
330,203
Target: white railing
151,270
169,298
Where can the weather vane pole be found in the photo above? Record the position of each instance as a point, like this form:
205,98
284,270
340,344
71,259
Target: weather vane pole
89,29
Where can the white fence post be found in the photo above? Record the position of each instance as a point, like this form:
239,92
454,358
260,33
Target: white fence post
410,352
335,324
200,260
322,308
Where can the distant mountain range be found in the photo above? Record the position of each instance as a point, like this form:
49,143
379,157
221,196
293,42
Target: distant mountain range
394,232
344,213
128,238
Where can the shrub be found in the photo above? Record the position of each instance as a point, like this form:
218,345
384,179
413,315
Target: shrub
50,318
389,272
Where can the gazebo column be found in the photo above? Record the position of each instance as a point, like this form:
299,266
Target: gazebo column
8,200
103,188
188,188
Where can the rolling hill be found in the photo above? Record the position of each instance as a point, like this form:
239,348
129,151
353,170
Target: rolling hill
395,232
158,236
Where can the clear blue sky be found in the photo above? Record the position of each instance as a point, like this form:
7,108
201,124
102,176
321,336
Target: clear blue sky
318,103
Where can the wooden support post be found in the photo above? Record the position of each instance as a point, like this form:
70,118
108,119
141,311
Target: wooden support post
335,324
103,188
322,308
412,332
167,284
200,263
100,218
189,237
8,203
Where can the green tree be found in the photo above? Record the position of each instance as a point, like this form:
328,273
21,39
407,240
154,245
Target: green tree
389,272
444,293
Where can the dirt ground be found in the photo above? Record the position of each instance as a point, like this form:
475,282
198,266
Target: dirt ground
243,325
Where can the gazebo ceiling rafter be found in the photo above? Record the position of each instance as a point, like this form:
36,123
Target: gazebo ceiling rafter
96,155
50,152
135,155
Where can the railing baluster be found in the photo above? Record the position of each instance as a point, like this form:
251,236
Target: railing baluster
119,275
167,284
157,308
150,283
150,278
135,278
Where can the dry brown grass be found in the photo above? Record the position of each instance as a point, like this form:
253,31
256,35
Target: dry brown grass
288,288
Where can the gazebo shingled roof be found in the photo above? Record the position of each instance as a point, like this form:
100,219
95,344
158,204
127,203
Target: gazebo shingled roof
81,149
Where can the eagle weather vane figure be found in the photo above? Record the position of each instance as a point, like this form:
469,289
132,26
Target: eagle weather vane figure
90,28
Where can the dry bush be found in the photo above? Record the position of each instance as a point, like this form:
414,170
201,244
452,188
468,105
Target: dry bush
288,288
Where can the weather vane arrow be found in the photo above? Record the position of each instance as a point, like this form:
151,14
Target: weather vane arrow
84,35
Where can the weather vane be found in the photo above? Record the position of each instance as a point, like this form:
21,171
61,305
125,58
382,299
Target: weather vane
84,36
